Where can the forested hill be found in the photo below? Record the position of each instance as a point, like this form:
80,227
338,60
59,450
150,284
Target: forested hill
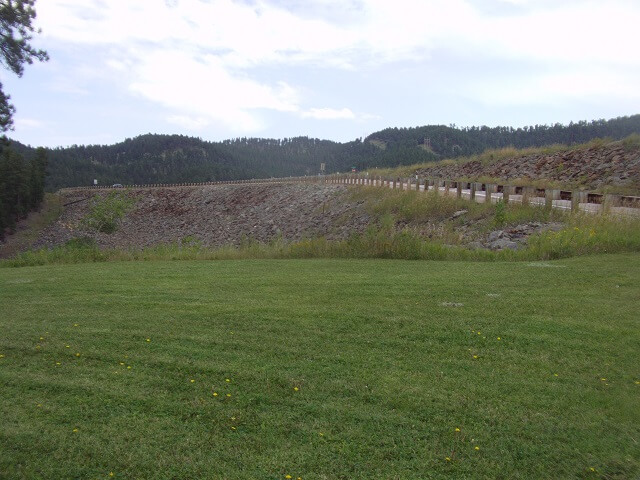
176,158
451,142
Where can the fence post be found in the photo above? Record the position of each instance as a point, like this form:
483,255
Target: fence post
548,198
506,192
575,201
472,194
610,201
488,190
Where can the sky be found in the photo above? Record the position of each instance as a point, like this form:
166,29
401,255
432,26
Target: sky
331,69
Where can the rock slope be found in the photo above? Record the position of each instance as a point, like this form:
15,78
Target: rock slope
216,215
590,168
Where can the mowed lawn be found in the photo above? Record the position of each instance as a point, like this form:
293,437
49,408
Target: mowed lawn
321,369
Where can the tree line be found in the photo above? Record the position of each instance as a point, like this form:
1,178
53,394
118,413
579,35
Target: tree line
154,158
22,184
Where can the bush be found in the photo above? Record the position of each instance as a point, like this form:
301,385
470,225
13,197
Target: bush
105,213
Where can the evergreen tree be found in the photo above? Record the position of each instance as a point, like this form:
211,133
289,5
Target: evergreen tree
16,33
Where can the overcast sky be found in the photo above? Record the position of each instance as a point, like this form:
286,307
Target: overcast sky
335,69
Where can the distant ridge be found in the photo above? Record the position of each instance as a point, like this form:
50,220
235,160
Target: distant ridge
155,158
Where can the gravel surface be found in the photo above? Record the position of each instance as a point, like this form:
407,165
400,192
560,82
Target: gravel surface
592,168
217,215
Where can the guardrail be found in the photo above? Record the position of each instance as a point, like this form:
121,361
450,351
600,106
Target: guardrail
305,179
573,200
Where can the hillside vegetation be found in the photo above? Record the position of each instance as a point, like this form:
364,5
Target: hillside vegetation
175,158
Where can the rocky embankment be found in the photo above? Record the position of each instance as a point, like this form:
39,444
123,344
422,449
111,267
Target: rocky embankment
610,165
216,215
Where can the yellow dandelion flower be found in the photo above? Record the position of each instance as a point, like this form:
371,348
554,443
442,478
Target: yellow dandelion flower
475,356
233,418
121,363
37,347
603,379
499,338
321,434
39,405
295,389
2,356
287,476
476,448
228,394
192,380
637,382
215,394
233,428
41,338
148,339
592,469
75,324
75,430
227,380
111,474
78,354
555,374
479,333
457,429
67,346
128,367
448,459
57,363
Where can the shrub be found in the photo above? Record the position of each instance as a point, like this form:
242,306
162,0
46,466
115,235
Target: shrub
105,213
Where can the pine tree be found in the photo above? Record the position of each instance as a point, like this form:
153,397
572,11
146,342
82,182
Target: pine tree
16,33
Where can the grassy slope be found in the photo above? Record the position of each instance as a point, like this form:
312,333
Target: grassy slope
28,229
385,372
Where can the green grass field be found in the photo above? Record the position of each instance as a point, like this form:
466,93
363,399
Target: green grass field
321,369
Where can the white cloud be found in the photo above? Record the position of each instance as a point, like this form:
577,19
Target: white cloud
188,123
200,59
22,123
207,90
329,114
